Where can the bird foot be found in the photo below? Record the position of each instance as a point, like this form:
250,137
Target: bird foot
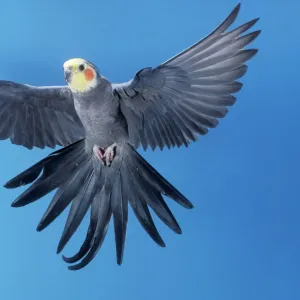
105,156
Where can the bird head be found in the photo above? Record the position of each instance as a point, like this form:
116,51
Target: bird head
81,75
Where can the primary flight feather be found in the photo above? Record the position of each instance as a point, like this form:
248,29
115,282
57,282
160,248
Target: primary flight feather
100,125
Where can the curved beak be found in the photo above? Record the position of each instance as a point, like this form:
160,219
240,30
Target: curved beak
68,75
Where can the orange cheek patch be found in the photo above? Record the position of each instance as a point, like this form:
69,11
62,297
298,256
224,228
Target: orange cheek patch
89,74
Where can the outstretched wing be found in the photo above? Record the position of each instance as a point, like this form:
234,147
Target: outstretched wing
38,116
183,97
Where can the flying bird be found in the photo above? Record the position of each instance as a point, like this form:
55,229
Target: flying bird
100,125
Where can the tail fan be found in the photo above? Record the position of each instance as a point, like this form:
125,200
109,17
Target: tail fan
83,182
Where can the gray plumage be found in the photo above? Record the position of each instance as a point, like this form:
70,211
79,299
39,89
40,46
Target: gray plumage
101,124
38,116
183,97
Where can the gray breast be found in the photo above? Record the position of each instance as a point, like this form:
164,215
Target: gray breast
100,115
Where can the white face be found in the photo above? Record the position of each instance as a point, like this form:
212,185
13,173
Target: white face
80,75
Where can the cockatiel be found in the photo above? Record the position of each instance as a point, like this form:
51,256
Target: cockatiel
101,125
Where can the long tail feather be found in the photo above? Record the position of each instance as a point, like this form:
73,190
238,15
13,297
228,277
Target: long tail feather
32,173
159,182
139,204
54,175
156,201
79,207
82,181
64,195
104,215
86,246
119,204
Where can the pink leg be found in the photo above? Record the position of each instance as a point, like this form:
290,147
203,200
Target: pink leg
105,156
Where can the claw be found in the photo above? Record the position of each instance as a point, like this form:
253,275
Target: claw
105,156
99,152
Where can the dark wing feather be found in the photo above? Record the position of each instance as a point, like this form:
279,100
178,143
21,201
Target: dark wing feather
185,96
38,116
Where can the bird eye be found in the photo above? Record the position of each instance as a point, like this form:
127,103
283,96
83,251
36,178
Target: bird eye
81,67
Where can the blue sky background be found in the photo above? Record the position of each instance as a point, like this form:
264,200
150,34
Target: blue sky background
242,239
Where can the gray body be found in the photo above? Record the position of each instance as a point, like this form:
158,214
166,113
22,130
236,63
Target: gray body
101,117
168,106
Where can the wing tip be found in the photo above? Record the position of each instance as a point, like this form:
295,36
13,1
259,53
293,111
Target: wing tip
253,52
17,203
234,13
237,8
8,185
254,21
40,227
13,183
255,34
